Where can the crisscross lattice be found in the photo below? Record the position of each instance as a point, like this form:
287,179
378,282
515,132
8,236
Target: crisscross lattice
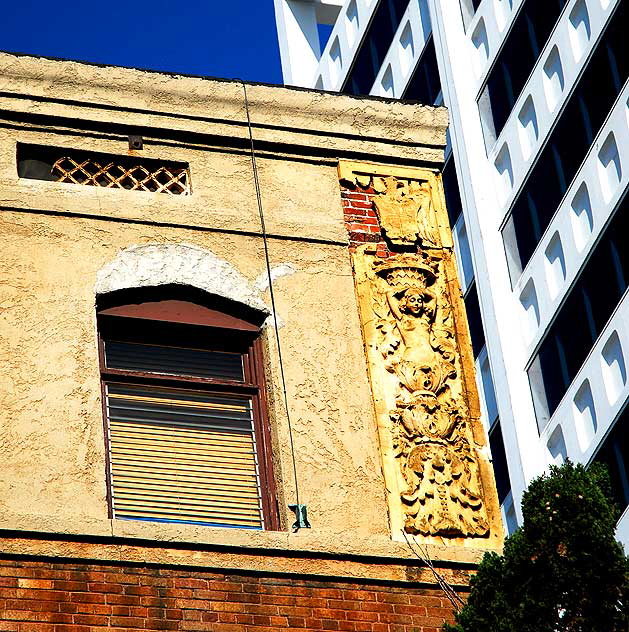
173,180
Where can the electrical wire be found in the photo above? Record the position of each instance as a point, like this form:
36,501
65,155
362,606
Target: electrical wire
256,180
450,593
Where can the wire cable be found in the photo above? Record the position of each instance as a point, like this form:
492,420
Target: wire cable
256,180
450,593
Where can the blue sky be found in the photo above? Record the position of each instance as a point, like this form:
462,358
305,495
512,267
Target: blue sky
229,39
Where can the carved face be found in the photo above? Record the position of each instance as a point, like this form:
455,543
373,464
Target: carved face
413,302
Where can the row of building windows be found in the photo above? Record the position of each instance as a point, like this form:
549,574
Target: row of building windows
521,49
374,47
605,277
570,141
583,316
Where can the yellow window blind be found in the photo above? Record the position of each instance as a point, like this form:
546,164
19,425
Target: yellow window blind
184,456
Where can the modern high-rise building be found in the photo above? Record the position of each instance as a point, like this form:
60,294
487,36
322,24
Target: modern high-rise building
536,178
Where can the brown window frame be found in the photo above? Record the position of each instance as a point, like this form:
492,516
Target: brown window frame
140,322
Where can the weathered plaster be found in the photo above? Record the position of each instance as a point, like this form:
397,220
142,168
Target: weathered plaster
283,269
52,445
304,118
183,264
305,563
63,244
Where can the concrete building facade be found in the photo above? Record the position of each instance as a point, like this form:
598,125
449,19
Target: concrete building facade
193,434
536,182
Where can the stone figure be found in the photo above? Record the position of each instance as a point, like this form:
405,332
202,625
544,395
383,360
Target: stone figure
443,495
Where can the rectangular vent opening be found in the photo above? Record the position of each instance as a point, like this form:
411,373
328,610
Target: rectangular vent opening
110,171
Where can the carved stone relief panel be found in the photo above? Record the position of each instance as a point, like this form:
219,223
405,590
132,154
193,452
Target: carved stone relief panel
405,212
439,480
404,203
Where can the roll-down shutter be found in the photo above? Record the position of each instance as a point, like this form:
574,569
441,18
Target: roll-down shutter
183,455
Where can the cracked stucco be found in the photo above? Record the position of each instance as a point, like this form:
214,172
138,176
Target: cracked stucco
64,244
182,264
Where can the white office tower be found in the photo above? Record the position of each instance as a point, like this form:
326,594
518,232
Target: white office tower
536,179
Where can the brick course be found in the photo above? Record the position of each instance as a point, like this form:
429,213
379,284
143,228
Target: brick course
360,217
43,596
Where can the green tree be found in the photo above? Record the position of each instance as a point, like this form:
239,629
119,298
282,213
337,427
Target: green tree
563,570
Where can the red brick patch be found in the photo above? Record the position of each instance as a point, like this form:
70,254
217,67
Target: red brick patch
361,219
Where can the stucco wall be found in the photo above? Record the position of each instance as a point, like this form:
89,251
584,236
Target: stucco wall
53,458
57,238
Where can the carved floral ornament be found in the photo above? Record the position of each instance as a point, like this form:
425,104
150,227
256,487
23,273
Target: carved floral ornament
403,205
440,484
429,420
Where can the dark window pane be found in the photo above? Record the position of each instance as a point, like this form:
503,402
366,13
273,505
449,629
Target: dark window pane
615,454
362,75
324,31
617,43
489,391
499,462
542,17
131,356
451,191
545,191
474,320
620,253
571,139
526,231
597,88
553,371
425,84
574,333
600,285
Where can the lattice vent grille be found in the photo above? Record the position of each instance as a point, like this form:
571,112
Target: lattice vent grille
117,175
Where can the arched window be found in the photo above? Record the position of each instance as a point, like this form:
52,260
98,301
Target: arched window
184,405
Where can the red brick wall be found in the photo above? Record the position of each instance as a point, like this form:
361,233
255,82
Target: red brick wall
41,596
361,220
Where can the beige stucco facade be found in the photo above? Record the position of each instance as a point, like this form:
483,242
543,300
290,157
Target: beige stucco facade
63,243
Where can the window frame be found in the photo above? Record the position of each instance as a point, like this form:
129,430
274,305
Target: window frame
126,318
